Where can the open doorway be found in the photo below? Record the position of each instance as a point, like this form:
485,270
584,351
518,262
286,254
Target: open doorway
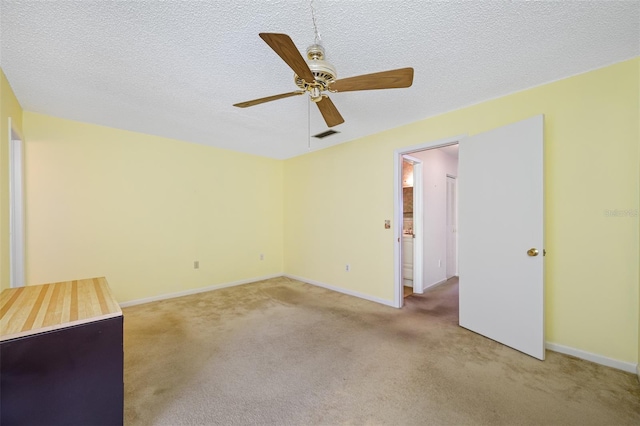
411,240
501,273
434,250
438,165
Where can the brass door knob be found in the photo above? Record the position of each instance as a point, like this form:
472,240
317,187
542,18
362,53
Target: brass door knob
532,252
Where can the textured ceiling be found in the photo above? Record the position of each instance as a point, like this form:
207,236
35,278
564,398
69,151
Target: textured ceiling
174,69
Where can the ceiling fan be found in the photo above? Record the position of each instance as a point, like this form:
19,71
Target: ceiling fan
318,76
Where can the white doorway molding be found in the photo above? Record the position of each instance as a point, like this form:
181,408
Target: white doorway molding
452,227
16,209
418,236
398,217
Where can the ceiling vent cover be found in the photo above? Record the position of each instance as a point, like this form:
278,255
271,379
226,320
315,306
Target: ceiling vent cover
325,134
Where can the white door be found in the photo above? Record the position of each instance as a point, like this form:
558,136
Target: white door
500,223
452,225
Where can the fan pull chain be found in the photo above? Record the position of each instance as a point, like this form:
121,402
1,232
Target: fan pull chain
317,39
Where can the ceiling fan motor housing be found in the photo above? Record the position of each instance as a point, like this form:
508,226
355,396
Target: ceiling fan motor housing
322,77
323,71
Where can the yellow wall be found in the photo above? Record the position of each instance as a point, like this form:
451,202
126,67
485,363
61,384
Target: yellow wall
9,107
336,201
141,209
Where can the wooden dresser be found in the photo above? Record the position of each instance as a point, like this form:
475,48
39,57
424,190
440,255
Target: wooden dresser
61,355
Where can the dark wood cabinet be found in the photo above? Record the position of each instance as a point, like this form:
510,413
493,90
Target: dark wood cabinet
61,355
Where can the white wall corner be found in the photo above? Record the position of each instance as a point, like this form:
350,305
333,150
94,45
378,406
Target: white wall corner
598,359
342,290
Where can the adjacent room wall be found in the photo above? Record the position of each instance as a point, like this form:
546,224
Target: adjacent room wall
337,199
140,209
9,107
436,166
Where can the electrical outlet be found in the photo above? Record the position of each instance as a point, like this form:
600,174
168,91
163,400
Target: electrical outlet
439,263
261,256
196,264
347,267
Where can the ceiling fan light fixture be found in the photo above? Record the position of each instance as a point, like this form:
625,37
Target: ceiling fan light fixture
316,76
323,71
315,93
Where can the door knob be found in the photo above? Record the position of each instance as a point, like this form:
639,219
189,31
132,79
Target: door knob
532,252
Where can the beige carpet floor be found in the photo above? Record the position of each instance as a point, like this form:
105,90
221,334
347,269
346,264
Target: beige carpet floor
280,352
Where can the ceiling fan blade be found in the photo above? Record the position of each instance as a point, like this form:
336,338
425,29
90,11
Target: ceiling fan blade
284,47
267,99
329,112
394,79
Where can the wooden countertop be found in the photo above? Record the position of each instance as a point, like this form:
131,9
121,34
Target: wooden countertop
35,309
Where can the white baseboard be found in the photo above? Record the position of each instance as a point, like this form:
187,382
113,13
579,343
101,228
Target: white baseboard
434,284
598,359
342,290
196,290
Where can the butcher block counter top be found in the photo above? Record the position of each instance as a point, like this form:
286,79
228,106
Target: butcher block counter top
35,309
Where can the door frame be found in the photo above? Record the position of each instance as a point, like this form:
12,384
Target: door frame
398,299
16,209
418,245
453,216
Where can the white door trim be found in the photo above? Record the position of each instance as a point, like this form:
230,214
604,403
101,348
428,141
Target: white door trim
452,219
16,210
418,246
397,211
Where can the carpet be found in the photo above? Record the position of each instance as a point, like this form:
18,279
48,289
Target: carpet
282,352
